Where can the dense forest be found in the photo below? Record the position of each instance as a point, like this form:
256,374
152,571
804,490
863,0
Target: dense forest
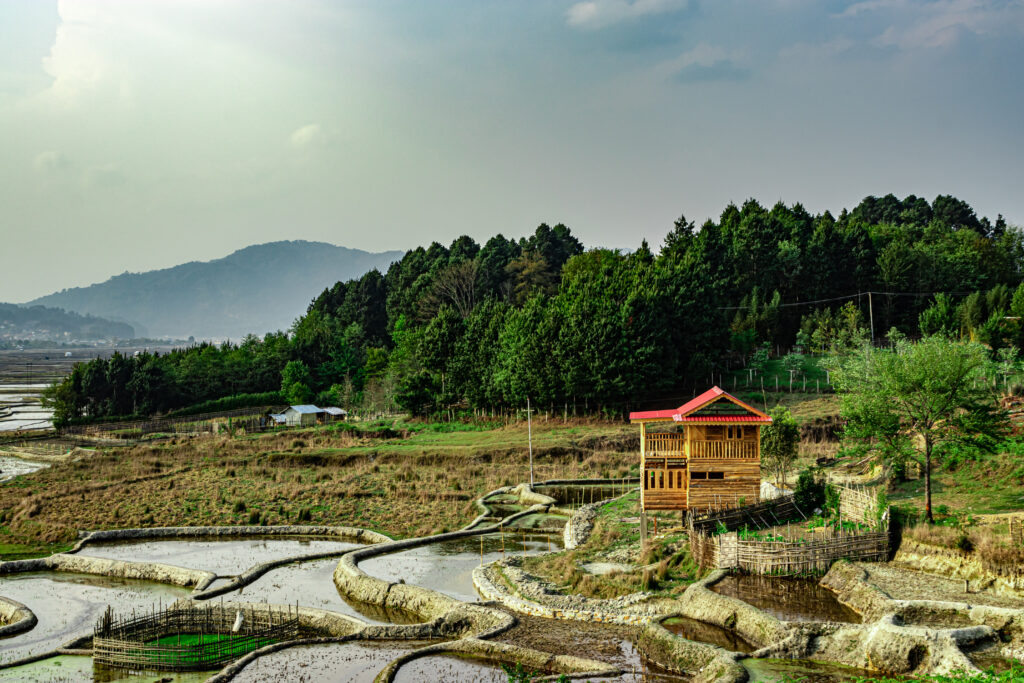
56,324
483,328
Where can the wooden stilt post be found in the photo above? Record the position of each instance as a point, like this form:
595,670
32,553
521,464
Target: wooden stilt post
643,529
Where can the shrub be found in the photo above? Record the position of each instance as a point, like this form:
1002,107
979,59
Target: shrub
809,493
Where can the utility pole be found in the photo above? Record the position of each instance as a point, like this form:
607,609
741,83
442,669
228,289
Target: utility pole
529,432
871,316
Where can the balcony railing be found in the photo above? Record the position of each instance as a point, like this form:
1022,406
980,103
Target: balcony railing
675,446
723,449
671,445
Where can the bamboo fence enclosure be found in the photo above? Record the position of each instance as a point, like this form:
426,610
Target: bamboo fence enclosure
1017,530
191,424
716,543
212,637
728,551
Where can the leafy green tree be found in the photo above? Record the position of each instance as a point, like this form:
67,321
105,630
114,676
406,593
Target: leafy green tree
939,318
295,381
921,395
779,443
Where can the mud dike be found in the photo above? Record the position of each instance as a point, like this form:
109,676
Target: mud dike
386,618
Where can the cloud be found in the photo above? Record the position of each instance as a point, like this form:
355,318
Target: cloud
307,135
597,14
916,24
709,63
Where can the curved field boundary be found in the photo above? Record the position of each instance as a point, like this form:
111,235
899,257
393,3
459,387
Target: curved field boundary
354,534
121,569
15,618
571,667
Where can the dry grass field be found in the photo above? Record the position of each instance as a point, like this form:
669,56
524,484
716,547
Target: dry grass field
415,483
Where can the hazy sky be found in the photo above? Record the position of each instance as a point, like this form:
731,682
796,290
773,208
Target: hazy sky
138,135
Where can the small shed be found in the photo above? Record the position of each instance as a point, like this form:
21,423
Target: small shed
301,416
334,414
276,419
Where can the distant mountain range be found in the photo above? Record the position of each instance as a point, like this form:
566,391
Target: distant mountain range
39,323
257,289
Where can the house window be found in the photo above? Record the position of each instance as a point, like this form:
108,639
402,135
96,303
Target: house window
698,475
716,475
734,432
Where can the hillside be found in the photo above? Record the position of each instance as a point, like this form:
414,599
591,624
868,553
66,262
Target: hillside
39,323
257,289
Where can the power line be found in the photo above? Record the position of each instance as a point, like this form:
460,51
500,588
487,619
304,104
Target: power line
848,296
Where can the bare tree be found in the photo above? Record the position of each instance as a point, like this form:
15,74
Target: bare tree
455,285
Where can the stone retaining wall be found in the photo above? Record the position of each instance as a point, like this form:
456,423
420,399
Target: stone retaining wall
755,626
706,663
122,569
489,582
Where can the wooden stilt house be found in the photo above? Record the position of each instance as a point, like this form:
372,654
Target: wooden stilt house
704,454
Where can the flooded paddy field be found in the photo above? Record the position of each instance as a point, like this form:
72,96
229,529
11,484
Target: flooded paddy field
787,598
447,567
774,670
311,584
698,631
228,556
68,605
14,467
80,669
358,662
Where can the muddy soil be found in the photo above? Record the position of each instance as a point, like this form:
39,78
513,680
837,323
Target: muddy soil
448,567
356,662
787,598
611,643
68,605
906,584
228,557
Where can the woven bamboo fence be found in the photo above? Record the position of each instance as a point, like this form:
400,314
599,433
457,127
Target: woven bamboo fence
761,515
858,504
1017,530
716,543
212,637
728,551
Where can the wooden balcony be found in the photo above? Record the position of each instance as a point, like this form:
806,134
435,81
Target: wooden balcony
665,445
676,446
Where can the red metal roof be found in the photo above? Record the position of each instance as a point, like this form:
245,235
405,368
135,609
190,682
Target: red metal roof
681,414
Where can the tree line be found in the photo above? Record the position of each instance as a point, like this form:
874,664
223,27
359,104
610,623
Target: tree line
471,327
